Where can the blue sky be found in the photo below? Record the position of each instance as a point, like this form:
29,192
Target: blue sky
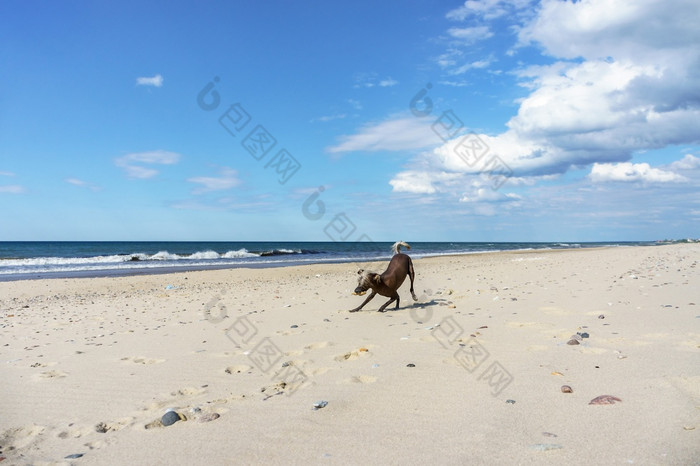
419,120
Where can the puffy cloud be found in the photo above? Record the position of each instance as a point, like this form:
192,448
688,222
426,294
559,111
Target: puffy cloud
155,81
136,164
627,80
689,162
420,182
632,172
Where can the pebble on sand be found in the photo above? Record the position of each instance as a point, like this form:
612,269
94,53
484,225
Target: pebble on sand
170,418
573,342
604,400
546,446
74,456
566,389
320,404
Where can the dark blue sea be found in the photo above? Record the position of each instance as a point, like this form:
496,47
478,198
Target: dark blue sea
41,259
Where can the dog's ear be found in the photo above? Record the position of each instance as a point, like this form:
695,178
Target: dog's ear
377,279
360,272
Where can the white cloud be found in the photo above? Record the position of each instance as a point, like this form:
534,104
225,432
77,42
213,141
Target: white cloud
469,35
227,179
479,64
6,173
632,172
389,82
484,9
637,88
155,81
420,182
405,133
136,164
12,189
82,184
489,195
689,162
326,118
370,80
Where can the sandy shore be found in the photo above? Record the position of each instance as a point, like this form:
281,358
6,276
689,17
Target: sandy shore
470,374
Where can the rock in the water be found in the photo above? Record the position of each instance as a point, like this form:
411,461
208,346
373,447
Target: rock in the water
170,418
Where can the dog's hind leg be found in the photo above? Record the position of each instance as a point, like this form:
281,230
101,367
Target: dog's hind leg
369,298
411,275
394,297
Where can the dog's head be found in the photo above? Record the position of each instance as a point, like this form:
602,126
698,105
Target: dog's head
365,281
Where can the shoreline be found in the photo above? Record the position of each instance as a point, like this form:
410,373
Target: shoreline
168,270
474,369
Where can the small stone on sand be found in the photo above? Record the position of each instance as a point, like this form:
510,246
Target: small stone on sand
566,389
604,400
170,418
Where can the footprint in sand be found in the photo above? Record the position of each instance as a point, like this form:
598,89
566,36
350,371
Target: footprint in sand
319,345
104,427
19,437
239,369
360,379
142,360
350,355
50,375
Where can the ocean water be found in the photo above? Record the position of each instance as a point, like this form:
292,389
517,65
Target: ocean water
41,259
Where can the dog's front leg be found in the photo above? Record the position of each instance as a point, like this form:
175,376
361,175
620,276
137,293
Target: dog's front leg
369,298
394,297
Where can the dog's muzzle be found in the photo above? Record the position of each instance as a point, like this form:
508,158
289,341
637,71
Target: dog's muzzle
362,293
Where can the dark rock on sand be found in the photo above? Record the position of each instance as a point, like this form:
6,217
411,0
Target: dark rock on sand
74,456
170,418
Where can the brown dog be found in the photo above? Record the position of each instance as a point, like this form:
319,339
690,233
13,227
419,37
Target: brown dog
387,283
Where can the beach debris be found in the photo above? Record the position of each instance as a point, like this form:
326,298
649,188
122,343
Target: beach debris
410,365
294,326
688,427
320,405
171,287
583,335
374,366
74,456
601,316
604,400
170,418
546,446
510,402
573,341
556,373
549,434
566,389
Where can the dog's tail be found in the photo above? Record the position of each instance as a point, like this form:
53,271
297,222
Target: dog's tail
396,248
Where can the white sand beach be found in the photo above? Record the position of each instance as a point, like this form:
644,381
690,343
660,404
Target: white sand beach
472,373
